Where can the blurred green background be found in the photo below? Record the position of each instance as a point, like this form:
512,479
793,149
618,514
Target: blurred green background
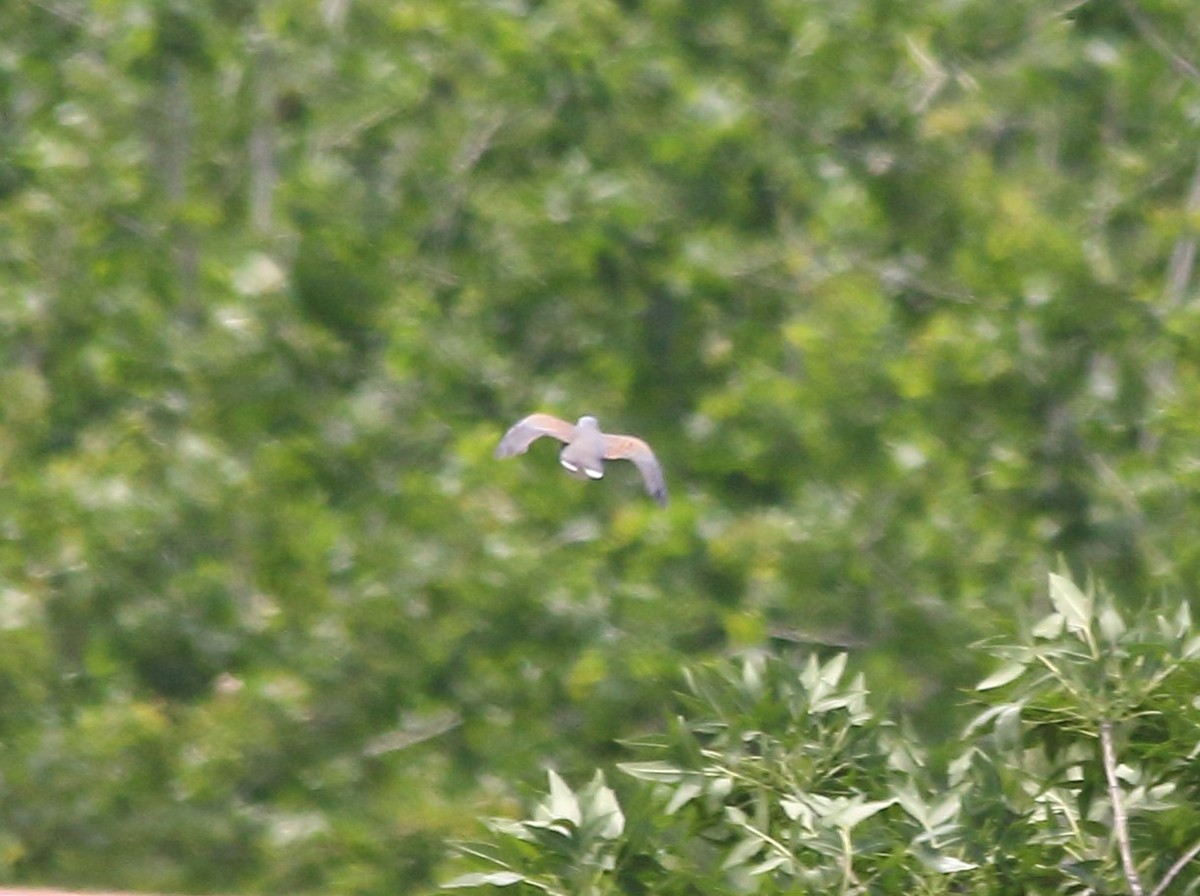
901,293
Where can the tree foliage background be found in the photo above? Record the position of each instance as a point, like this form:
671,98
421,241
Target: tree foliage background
902,294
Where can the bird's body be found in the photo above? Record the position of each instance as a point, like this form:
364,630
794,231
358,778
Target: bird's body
586,448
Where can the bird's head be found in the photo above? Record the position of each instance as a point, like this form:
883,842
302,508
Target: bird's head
588,422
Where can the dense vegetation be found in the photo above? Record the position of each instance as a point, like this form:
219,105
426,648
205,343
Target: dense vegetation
902,294
1076,777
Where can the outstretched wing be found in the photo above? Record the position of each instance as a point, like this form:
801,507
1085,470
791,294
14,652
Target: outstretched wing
524,432
634,449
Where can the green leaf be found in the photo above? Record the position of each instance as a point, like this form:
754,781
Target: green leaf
1008,726
482,878
908,799
794,809
1073,604
948,864
562,803
684,794
853,815
771,864
1112,625
1191,650
654,770
1050,627
602,804
1183,620
743,851
1002,676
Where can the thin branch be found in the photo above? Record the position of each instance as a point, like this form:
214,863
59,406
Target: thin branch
1152,36
1175,869
1120,822
1183,255
61,11
264,137
1127,499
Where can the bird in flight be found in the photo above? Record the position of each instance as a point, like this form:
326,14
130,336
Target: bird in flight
586,448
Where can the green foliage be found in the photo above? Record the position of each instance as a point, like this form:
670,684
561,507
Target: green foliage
1084,663
901,294
572,837
1094,719
779,778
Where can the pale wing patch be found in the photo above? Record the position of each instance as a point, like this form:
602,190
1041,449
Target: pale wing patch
524,432
634,449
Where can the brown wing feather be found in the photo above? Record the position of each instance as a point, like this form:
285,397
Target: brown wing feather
524,432
634,449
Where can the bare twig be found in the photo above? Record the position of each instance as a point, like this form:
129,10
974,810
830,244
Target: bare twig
1175,869
1120,822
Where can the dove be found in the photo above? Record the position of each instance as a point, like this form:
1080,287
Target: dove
586,449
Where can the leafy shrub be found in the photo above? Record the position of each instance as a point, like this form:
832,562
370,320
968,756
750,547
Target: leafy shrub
1075,776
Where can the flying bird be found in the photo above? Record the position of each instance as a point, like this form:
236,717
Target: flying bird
586,449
